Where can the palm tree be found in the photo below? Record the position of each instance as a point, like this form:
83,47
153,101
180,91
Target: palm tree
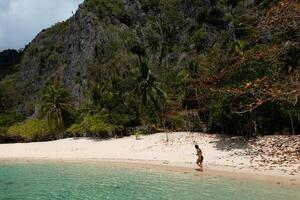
148,88
55,104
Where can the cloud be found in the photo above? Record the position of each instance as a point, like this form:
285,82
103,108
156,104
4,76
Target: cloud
4,5
21,20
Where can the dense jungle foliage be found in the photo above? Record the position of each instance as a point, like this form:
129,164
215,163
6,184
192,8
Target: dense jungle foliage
226,66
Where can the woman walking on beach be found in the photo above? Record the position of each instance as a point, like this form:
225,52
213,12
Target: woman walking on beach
200,157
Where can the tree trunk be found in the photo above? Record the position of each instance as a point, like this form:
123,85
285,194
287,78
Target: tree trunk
292,123
255,128
167,136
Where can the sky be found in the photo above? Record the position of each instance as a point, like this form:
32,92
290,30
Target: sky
21,20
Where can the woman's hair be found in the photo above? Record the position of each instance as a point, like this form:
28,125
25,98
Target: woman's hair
196,146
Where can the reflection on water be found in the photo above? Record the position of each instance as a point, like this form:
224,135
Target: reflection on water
74,181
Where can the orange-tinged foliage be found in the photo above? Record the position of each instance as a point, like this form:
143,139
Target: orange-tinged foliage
279,16
265,90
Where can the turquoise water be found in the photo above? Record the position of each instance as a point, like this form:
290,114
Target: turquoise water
76,181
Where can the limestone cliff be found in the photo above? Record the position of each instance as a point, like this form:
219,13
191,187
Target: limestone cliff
68,51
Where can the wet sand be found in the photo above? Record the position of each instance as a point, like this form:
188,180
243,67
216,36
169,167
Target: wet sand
222,156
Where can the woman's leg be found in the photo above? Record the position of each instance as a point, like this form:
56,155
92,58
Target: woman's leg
201,164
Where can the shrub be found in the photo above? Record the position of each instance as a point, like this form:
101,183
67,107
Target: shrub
137,134
77,130
258,62
7,120
215,17
103,8
59,28
95,124
91,125
150,4
126,17
55,59
202,14
145,129
200,38
32,130
3,136
175,122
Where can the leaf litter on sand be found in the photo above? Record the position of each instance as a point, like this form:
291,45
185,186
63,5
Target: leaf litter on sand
274,151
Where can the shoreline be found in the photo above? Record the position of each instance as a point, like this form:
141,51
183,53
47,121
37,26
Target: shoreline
225,156
212,171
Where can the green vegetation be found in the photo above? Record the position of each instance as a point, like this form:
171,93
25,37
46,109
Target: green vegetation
59,28
225,66
56,106
103,8
92,126
7,120
200,38
8,60
32,130
148,88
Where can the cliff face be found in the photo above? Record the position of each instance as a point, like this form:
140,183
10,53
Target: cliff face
68,51
192,47
228,66
63,54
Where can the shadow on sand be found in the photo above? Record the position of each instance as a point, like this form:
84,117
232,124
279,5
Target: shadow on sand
198,170
227,143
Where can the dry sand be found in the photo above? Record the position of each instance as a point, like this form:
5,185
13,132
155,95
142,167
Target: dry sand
232,156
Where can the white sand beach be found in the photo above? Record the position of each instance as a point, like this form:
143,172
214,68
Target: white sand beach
233,155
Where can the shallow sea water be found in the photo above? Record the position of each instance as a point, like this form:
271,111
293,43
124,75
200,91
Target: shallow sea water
41,181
